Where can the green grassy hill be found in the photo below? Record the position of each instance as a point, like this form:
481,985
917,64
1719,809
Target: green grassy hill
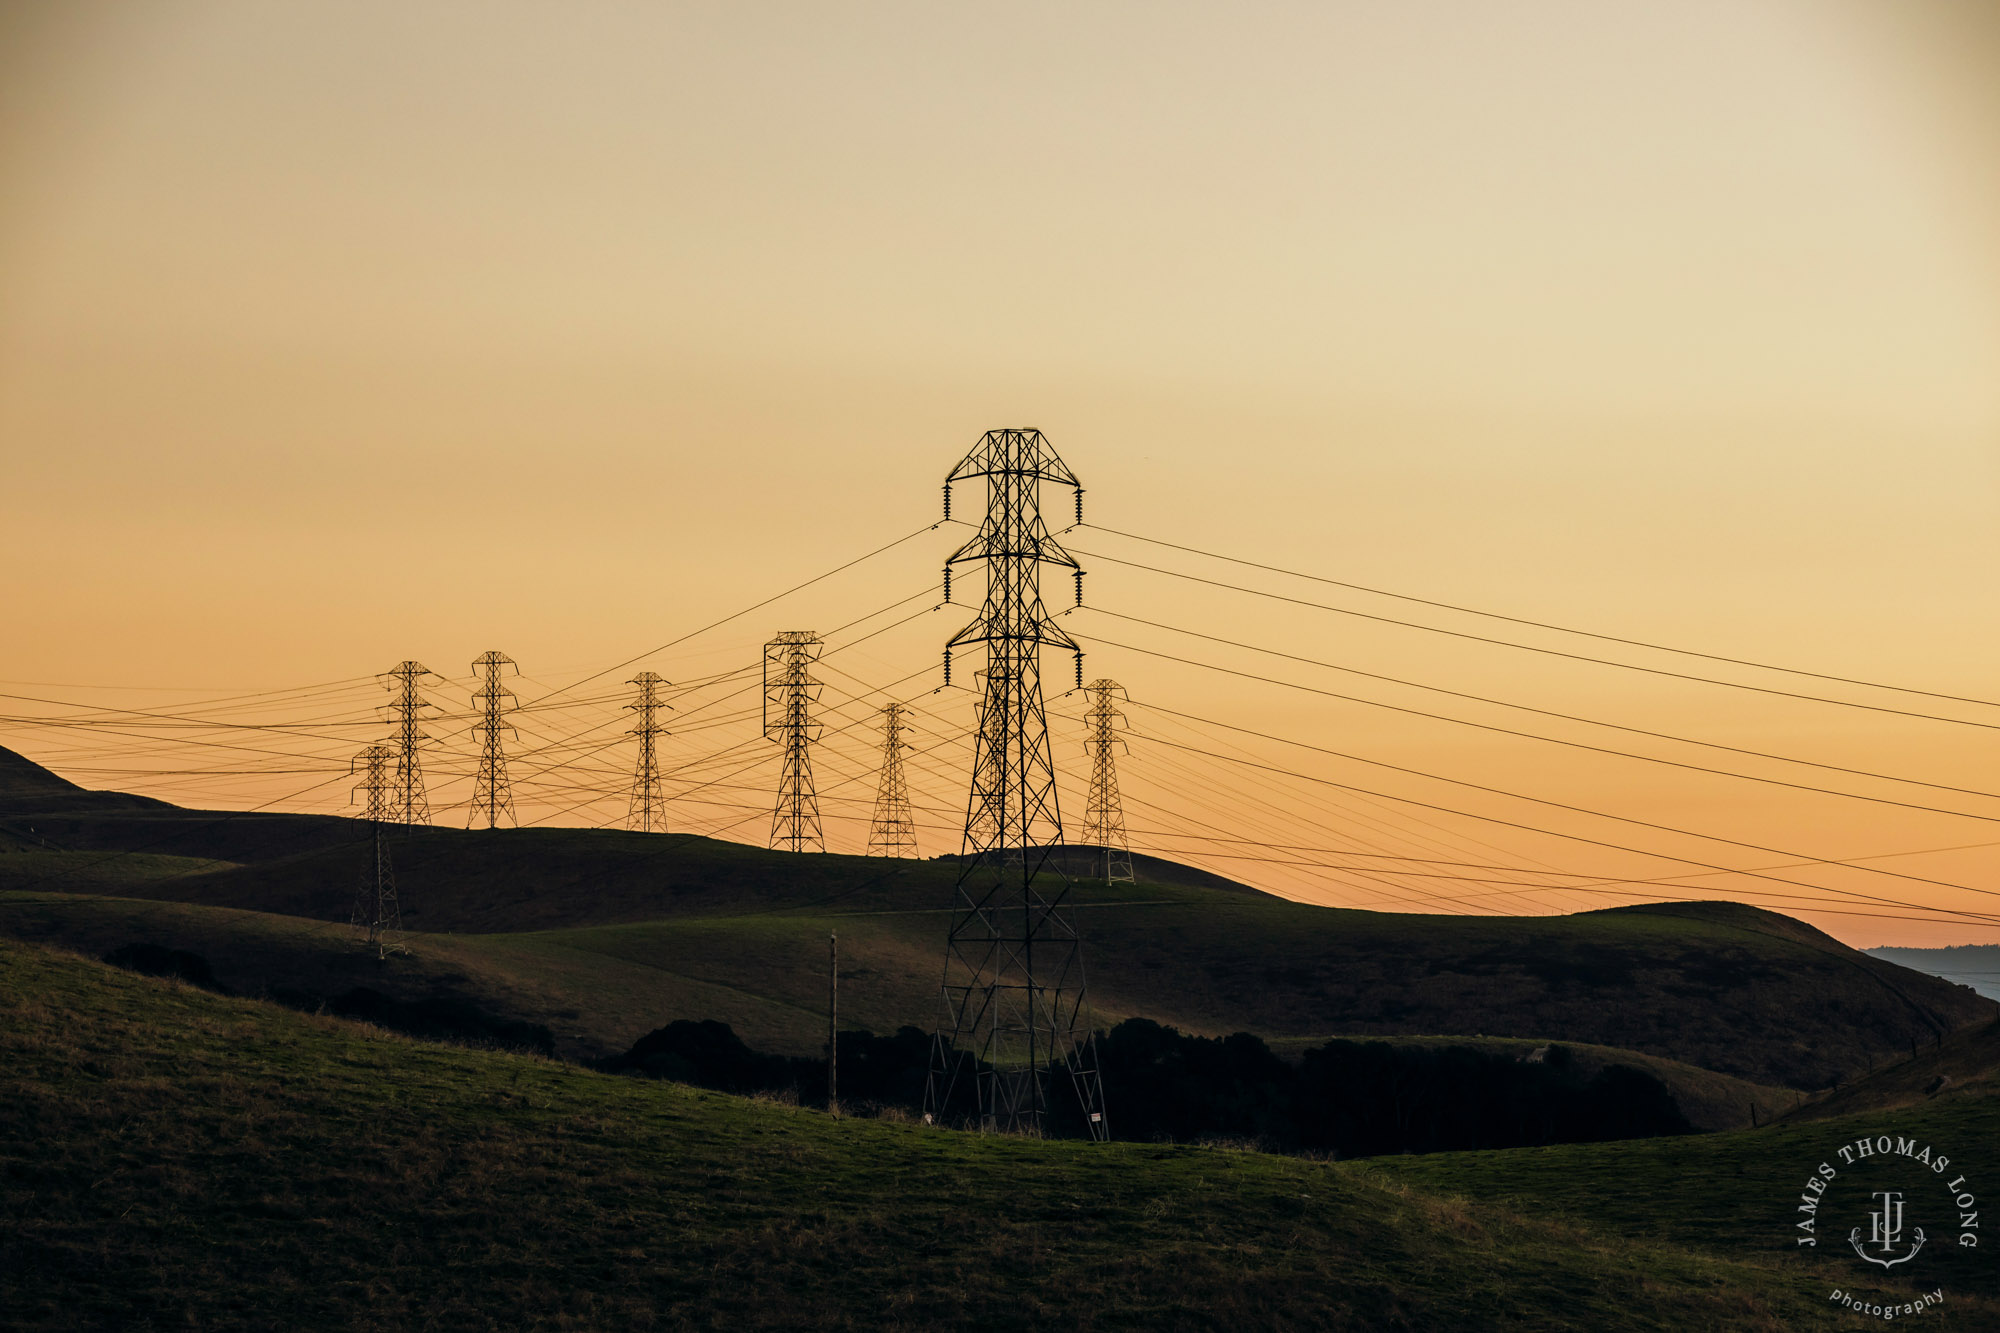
1964,1064
172,1158
1735,991
603,935
597,1005
1738,1193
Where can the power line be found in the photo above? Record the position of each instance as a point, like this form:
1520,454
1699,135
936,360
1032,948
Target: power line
1389,819
1159,760
1548,712
1549,652
1573,837
737,615
1525,735
1543,624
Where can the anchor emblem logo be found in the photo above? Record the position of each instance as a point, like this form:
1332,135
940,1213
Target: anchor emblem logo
1885,1230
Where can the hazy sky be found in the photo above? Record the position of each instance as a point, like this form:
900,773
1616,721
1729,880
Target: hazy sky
336,334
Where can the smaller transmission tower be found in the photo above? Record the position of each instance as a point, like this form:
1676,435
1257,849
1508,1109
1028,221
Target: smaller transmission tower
407,804
1104,815
789,693
894,830
649,804
492,794
377,919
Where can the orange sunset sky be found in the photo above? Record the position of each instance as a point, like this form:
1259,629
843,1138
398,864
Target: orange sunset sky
337,334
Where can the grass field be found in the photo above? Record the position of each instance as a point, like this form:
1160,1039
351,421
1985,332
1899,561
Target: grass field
1967,1061
97,872
174,1158
603,935
1735,990
599,989
1735,1192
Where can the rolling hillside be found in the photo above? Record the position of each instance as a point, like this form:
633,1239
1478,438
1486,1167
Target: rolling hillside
604,935
594,1005
1737,1194
172,1157
1965,1064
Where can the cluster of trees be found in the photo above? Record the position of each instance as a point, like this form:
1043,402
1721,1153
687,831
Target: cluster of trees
1351,1098
1363,1098
1345,1097
874,1071
156,960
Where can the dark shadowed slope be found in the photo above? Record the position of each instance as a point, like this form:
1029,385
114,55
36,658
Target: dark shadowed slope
667,926
1964,1064
1722,995
169,1157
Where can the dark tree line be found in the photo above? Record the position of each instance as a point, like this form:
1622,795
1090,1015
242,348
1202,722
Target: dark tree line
1351,1098
1345,1097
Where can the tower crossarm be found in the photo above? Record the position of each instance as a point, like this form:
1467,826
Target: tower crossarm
1014,452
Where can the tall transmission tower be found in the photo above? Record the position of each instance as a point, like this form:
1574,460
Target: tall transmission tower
1104,816
649,803
407,803
492,794
1014,997
377,918
893,832
789,694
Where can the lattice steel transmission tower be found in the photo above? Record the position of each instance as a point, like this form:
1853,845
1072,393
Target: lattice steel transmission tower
377,918
1015,1006
649,803
492,794
407,803
893,831
789,694
1104,815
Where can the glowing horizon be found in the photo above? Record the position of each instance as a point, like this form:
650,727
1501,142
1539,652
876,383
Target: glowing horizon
340,335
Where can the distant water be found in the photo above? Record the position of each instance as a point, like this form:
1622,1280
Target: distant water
1974,965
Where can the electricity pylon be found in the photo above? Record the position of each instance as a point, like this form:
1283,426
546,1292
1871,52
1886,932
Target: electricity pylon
407,803
377,918
789,693
893,832
1014,997
1104,816
492,794
649,804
